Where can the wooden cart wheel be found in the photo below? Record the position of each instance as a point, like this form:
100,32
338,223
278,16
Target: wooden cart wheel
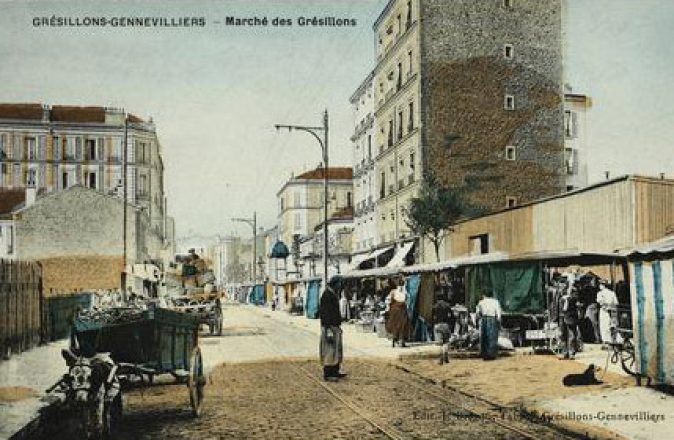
196,381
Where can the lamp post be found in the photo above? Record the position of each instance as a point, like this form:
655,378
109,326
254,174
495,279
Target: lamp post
252,222
324,147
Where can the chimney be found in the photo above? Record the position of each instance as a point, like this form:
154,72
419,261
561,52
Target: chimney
31,194
46,113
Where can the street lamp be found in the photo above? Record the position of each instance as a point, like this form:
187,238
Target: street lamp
252,222
324,147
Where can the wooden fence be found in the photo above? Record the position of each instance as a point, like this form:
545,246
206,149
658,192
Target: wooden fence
20,306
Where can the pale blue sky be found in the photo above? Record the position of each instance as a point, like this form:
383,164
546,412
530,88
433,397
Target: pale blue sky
216,92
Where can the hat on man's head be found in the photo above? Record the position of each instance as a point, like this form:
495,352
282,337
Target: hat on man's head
336,282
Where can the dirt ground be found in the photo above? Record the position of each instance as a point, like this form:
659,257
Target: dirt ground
272,400
516,379
521,380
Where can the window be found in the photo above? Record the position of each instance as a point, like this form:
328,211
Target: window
570,188
409,67
90,147
410,120
399,83
509,102
64,180
92,180
400,24
400,124
298,221
382,187
348,199
508,4
296,199
369,146
510,153
570,160
3,146
508,51
479,244
31,149
390,132
409,14
511,202
569,124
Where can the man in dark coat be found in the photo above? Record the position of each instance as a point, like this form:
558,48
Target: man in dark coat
330,349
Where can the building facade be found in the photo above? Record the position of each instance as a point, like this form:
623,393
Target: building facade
468,94
56,147
300,201
576,140
365,235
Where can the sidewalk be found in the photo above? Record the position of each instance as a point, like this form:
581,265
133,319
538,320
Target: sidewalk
615,409
23,380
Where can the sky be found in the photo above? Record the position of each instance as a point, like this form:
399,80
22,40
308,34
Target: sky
215,92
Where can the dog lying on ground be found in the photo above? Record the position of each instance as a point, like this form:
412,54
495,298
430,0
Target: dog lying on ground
585,378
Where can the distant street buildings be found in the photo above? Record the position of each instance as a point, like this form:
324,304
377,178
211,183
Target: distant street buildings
62,188
56,147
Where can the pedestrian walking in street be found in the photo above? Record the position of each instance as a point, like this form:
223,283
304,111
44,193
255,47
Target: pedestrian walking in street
442,313
607,300
398,323
488,315
330,348
569,322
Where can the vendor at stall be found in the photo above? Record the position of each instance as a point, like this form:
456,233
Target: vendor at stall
607,300
488,315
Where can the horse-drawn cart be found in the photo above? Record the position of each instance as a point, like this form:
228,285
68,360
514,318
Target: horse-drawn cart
111,347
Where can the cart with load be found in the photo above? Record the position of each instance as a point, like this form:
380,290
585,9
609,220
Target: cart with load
114,346
205,307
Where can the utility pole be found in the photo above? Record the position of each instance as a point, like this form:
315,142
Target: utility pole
125,155
324,147
252,222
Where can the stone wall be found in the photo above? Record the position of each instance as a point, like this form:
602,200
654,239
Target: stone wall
465,78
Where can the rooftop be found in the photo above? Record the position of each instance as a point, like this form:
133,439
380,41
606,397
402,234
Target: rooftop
60,113
334,173
10,199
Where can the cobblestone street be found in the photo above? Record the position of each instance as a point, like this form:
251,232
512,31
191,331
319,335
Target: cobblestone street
270,387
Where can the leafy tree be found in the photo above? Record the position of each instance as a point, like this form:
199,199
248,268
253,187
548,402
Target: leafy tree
434,211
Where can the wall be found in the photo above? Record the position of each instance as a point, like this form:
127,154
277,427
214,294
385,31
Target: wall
76,221
465,78
605,217
655,209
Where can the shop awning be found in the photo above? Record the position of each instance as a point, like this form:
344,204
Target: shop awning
362,258
357,260
398,259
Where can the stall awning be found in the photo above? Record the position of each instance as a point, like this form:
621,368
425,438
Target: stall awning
398,259
357,260
360,259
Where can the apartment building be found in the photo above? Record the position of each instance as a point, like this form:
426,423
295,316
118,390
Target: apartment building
56,147
470,94
301,202
576,140
365,235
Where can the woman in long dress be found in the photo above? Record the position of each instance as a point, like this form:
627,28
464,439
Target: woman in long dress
398,323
